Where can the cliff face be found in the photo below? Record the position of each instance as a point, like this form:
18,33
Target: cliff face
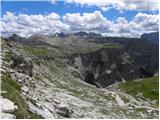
145,54
112,63
153,37
107,66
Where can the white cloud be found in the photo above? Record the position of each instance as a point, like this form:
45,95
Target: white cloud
142,23
95,22
87,21
53,1
26,25
121,5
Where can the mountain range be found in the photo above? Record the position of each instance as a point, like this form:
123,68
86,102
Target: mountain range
80,75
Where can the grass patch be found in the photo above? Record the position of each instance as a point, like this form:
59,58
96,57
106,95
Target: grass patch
112,46
8,56
37,51
6,79
149,87
32,101
104,111
37,77
44,51
13,93
108,97
126,100
140,109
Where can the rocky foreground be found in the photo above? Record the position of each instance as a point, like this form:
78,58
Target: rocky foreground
53,80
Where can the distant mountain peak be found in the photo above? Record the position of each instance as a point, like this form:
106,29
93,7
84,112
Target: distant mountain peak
60,34
153,37
87,34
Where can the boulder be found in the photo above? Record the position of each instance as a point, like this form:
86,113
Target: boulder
7,105
7,116
21,77
64,111
42,110
22,64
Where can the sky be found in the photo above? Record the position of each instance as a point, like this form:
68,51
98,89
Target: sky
123,18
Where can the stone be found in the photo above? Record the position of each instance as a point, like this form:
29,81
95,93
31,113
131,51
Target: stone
25,89
64,111
43,111
23,65
20,77
28,65
108,71
7,116
7,105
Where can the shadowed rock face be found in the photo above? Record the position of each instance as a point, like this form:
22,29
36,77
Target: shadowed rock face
106,66
153,37
145,54
137,59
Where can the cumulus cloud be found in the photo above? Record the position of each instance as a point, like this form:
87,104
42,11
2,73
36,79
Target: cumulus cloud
96,22
27,25
87,21
120,4
141,23
145,22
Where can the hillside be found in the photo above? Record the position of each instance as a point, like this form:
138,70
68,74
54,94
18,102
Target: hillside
71,77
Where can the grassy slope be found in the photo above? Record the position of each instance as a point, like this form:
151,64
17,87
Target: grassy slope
111,46
149,87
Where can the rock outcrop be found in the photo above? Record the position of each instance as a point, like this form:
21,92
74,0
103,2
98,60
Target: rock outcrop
22,64
7,107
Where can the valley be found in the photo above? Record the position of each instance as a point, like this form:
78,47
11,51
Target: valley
80,76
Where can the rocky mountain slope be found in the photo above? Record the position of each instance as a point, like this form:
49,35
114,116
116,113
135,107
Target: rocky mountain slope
76,77
153,37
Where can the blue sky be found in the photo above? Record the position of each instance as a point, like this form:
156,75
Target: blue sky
111,17
61,8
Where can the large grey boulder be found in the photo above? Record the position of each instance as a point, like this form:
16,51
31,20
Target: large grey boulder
64,111
22,64
7,105
7,116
